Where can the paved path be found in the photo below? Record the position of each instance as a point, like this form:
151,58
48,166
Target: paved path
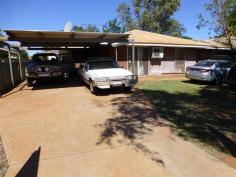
53,131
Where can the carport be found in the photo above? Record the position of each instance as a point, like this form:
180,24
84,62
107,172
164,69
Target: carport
75,47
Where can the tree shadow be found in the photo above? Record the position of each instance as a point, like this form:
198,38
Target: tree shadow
30,168
136,117
208,116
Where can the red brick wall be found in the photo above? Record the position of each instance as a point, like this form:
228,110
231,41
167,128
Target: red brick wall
205,54
122,56
190,54
169,54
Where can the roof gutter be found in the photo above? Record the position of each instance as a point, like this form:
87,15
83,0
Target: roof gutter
172,45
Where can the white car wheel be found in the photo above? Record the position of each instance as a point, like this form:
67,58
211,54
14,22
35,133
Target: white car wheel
92,88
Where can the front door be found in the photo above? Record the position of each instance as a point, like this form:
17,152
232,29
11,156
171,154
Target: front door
143,61
129,53
180,60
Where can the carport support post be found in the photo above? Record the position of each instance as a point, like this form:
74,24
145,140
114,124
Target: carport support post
10,64
116,53
20,65
133,56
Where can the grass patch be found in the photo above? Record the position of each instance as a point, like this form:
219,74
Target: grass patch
198,112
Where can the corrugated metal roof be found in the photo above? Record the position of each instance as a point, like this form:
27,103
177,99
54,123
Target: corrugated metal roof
61,38
155,38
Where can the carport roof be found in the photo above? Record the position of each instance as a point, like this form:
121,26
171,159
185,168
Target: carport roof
63,39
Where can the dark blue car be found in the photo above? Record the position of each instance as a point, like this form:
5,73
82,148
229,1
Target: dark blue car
43,65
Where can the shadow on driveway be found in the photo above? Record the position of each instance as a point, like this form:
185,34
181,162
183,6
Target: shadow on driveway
30,168
137,118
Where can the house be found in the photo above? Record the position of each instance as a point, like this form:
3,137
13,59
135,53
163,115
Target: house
142,52
161,54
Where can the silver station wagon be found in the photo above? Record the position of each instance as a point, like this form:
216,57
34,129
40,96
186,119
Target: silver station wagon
209,70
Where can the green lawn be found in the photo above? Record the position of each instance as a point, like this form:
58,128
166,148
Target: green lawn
199,112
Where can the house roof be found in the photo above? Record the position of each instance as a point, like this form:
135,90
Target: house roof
144,37
221,42
32,38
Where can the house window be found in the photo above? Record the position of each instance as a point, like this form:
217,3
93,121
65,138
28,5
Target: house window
157,52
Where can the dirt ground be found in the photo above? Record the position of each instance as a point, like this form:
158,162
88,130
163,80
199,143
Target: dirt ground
62,130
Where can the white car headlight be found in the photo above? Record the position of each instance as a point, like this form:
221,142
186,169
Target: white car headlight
47,69
102,79
39,69
129,77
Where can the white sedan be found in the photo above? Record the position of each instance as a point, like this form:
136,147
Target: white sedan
102,73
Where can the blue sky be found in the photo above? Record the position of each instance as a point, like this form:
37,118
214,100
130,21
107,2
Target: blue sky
53,14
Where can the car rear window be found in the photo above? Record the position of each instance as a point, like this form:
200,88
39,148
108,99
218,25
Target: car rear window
206,63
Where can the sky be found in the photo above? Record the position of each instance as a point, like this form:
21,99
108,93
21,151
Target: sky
53,14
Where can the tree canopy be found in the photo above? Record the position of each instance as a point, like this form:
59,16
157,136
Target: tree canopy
24,55
86,28
222,19
113,26
148,15
151,15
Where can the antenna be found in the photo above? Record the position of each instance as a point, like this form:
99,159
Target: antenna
68,26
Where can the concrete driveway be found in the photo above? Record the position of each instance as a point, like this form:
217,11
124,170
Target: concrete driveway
63,131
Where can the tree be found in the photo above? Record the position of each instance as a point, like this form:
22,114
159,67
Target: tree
24,55
151,15
86,28
124,13
113,26
222,19
78,28
92,28
232,20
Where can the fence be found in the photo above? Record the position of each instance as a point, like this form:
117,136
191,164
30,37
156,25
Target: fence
11,69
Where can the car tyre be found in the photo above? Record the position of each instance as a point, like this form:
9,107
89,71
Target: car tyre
29,82
218,79
128,89
92,88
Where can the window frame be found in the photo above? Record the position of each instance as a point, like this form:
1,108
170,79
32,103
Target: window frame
161,52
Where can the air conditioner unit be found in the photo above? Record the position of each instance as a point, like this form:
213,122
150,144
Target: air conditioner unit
157,52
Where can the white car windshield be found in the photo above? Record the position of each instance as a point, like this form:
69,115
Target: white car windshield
103,64
206,63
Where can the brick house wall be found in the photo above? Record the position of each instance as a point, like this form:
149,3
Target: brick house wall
168,63
153,66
